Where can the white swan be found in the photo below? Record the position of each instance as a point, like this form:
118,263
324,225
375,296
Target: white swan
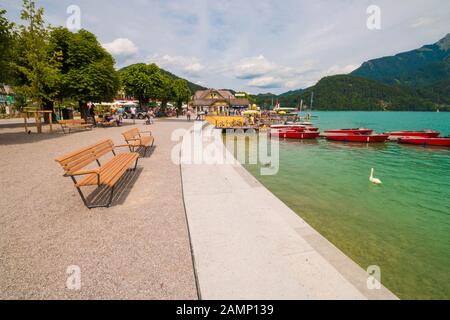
374,180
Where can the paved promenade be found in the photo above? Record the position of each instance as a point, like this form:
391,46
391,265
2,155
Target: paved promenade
137,249
249,245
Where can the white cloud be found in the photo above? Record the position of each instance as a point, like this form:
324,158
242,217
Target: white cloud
266,74
228,44
421,22
188,65
266,82
253,67
121,47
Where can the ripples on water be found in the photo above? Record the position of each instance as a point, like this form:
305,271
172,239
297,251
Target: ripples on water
403,226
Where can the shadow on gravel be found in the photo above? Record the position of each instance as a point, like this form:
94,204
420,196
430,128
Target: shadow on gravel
100,196
9,138
20,137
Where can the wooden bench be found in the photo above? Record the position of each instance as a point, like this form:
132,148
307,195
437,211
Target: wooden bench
135,139
107,174
105,123
68,125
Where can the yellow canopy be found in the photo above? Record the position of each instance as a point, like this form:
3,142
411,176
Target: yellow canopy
250,112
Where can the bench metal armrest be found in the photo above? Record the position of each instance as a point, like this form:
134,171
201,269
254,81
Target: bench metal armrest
85,172
123,146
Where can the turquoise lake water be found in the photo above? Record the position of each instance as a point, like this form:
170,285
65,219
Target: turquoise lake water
403,226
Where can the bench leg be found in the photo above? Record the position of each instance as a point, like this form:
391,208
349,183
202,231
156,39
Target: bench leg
83,198
135,165
89,206
110,197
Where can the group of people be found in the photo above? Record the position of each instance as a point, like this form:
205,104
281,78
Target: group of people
114,116
198,115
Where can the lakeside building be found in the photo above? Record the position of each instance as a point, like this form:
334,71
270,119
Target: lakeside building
220,101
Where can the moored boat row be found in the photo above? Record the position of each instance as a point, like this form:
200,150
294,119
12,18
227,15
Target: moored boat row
359,135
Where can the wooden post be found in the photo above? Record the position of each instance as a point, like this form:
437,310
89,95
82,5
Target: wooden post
38,121
50,121
25,115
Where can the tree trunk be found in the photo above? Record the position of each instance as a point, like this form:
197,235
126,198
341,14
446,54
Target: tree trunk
163,106
84,110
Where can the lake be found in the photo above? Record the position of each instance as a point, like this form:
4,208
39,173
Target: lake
402,226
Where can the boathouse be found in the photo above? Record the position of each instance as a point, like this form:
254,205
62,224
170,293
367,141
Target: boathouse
220,101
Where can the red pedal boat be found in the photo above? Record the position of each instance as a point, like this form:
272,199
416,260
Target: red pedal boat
360,131
299,127
370,138
295,134
405,133
442,142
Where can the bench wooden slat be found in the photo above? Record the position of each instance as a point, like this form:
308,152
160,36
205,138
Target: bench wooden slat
74,124
77,160
115,168
120,170
62,159
80,164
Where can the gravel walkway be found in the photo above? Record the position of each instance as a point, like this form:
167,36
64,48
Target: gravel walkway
137,249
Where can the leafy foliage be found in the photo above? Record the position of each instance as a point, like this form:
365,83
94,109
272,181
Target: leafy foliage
345,92
37,70
7,37
87,69
192,86
143,82
181,92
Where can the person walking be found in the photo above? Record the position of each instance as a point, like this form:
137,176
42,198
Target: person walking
150,116
133,112
188,115
91,107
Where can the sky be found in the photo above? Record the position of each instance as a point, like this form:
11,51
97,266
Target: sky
255,46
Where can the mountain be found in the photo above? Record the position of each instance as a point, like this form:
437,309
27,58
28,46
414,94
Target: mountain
348,92
421,67
292,93
192,86
265,100
415,80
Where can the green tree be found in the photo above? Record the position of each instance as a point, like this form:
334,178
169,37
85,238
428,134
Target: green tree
182,93
142,81
7,36
37,72
87,69
165,91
